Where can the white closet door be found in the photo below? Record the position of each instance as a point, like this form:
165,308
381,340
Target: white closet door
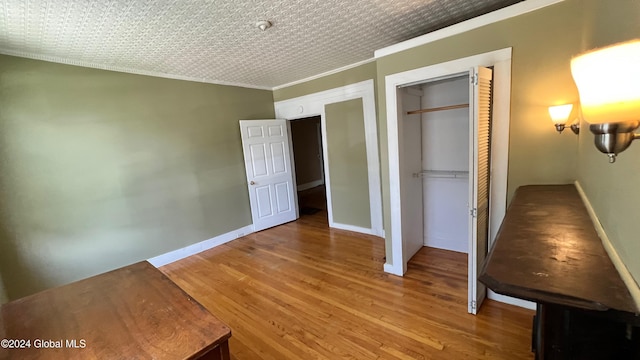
479,157
411,186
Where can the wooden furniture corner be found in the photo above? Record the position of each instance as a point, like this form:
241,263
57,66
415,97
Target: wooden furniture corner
134,312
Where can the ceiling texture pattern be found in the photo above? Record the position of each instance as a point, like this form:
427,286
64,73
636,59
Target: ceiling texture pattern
216,41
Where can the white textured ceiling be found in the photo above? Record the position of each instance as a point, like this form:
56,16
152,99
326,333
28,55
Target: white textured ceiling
215,40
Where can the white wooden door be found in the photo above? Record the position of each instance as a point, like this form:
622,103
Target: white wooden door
480,94
411,166
267,157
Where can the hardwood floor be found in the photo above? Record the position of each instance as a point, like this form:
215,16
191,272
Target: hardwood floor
303,291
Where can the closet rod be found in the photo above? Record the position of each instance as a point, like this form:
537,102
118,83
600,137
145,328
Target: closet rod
442,174
450,107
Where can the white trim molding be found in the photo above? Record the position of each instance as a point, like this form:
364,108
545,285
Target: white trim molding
193,249
511,300
313,105
629,281
327,73
353,228
501,62
60,60
486,19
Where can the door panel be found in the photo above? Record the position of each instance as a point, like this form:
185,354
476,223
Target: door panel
258,160
282,196
255,131
263,197
269,172
278,158
479,157
276,130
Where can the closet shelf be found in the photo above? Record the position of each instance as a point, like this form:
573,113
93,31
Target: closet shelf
454,174
441,108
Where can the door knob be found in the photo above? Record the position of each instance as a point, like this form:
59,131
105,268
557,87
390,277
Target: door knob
252,182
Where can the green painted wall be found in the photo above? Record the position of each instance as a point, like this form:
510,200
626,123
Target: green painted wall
102,169
543,42
351,76
3,294
348,172
613,188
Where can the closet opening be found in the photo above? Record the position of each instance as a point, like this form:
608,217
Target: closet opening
306,137
489,87
436,162
444,177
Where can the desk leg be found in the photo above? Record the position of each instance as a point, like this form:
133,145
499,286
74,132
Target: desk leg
537,335
220,352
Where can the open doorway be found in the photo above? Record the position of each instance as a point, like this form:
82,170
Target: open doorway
436,162
306,137
316,104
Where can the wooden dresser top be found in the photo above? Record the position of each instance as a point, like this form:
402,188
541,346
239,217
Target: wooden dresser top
548,251
134,312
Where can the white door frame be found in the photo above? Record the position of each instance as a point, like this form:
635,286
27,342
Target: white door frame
500,60
313,105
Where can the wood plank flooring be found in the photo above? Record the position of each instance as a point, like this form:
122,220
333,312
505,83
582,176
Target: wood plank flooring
303,291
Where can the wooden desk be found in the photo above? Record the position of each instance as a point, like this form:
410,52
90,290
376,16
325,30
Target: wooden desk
134,312
548,251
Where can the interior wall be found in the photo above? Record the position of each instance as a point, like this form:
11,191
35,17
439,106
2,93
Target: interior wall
445,147
347,159
3,293
540,77
102,169
612,189
306,150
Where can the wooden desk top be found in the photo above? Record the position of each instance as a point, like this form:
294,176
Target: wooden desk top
134,312
548,251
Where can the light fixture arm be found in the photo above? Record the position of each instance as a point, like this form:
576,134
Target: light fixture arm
575,128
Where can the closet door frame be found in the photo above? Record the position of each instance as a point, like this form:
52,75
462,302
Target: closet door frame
500,60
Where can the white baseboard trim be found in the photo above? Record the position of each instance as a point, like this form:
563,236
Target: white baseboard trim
626,276
310,185
511,300
444,245
353,228
193,249
388,268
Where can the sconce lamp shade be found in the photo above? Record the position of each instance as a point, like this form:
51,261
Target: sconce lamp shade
608,82
560,114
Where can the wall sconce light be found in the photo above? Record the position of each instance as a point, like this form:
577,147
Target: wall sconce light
608,81
560,116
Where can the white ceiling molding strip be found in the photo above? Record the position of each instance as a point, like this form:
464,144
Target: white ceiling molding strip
330,72
59,60
486,19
